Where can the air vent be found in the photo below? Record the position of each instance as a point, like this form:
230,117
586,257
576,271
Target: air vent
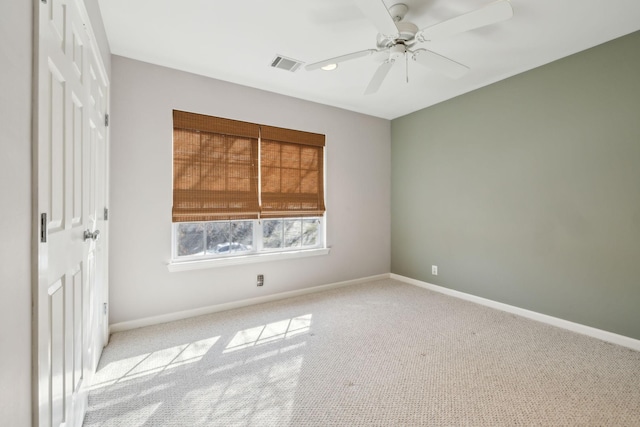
287,64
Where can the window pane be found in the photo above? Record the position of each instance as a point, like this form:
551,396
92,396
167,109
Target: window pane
292,233
218,237
310,232
215,239
190,238
241,236
272,233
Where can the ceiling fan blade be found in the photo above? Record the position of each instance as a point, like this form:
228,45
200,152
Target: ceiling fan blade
490,14
377,13
338,59
379,76
439,63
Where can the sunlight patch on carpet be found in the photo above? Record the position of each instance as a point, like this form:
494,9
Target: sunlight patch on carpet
152,363
270,332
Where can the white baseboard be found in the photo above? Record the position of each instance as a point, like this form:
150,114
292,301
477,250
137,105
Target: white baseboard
554,321
170,317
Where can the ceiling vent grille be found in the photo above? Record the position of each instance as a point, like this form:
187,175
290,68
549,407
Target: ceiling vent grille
286,64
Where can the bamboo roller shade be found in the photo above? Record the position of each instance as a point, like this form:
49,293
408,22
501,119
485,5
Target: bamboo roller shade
215,164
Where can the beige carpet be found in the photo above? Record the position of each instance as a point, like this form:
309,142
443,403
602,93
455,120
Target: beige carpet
378,354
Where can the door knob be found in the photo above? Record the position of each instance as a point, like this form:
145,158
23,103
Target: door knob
89,235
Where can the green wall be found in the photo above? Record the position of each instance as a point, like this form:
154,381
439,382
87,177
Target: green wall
527,192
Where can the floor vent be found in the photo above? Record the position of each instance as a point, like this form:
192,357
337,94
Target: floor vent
286,64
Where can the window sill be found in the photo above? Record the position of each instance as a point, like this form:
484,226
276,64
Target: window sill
244,259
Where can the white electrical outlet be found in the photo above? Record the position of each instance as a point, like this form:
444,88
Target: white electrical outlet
434,270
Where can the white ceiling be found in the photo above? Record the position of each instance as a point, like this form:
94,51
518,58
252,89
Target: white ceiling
236,41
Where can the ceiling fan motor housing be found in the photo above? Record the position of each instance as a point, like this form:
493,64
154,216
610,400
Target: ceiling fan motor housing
406,36
407,32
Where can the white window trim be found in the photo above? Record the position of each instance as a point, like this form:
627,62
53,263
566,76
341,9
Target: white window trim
174,266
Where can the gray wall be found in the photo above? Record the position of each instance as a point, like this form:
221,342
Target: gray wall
527,191
357,192
15,213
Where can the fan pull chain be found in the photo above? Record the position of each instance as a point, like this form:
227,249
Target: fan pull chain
406,65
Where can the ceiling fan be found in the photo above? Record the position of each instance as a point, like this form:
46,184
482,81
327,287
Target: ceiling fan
398,39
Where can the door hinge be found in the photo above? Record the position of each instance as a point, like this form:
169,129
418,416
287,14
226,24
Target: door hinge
43,227
106,120
105,308
106,214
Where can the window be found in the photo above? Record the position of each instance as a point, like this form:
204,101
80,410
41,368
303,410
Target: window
241,188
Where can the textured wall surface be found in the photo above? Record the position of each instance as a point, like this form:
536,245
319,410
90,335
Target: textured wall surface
527,191
357,192
15,213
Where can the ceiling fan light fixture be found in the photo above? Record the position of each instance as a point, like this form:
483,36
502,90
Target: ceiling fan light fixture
329,67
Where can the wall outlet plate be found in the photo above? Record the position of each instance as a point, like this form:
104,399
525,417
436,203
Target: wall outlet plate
434,270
